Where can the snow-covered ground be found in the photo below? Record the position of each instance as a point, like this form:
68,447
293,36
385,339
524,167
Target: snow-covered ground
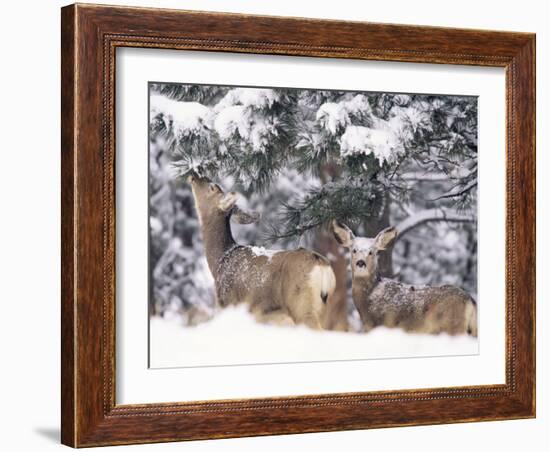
234,337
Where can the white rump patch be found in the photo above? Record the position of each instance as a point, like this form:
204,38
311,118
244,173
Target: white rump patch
322,279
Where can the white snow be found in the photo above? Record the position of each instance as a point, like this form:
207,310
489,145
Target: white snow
156,225
355,140
232,119
249,97
412,117
261,132
332,116
385,139
261,251
187,117
362,243
359,104
234,337
236,113
381,141
254,128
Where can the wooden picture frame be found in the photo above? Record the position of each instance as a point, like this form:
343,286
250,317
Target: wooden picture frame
90,36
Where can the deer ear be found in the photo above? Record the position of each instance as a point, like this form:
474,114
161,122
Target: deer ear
343,235
385,238
228,201
241,217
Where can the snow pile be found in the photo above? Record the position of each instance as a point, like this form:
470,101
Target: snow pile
336,116
332,116
386,140
234,337
237,116
232,119
355,140
182,118
382,142
365,134
358,106
411,119
255,130
249,97
261,251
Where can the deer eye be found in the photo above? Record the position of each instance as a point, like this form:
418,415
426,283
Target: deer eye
355,250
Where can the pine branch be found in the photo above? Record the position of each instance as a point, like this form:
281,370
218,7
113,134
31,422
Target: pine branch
347,200
457,193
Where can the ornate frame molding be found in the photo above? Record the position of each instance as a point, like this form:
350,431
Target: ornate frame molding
90,37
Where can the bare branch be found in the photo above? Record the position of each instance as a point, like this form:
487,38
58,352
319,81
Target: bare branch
420,176
457,193
429,215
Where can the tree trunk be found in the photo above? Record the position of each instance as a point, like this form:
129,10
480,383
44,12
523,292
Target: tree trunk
337,305
372,228
325,244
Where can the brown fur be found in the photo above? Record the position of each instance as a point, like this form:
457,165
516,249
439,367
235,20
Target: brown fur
282,287
431,310
385,302
273,285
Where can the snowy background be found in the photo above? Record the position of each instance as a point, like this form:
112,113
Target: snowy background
301,158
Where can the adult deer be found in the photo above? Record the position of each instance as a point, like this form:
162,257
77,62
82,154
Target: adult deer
281,287
385,302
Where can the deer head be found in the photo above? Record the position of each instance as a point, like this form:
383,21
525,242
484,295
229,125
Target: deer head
364,251
213,204
215,209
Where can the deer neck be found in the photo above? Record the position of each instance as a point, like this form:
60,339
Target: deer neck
218,239
363,286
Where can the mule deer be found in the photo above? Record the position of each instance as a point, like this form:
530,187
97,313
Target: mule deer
281,287
385,302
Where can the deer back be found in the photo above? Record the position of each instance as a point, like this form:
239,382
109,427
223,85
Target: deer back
268,280
420,309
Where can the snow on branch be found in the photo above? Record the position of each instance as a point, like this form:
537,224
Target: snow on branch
421,176
181,118
382,142
429,215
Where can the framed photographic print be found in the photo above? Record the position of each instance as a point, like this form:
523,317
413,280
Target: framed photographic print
280,225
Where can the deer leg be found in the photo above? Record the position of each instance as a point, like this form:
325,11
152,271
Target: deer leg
313,322
367,326
308,309
275,317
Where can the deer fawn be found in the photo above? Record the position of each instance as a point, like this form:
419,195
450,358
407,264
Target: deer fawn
281,287
384,302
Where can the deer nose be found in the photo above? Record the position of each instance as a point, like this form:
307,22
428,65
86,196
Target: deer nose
361,263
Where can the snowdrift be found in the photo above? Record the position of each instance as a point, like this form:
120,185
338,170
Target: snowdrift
233,337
